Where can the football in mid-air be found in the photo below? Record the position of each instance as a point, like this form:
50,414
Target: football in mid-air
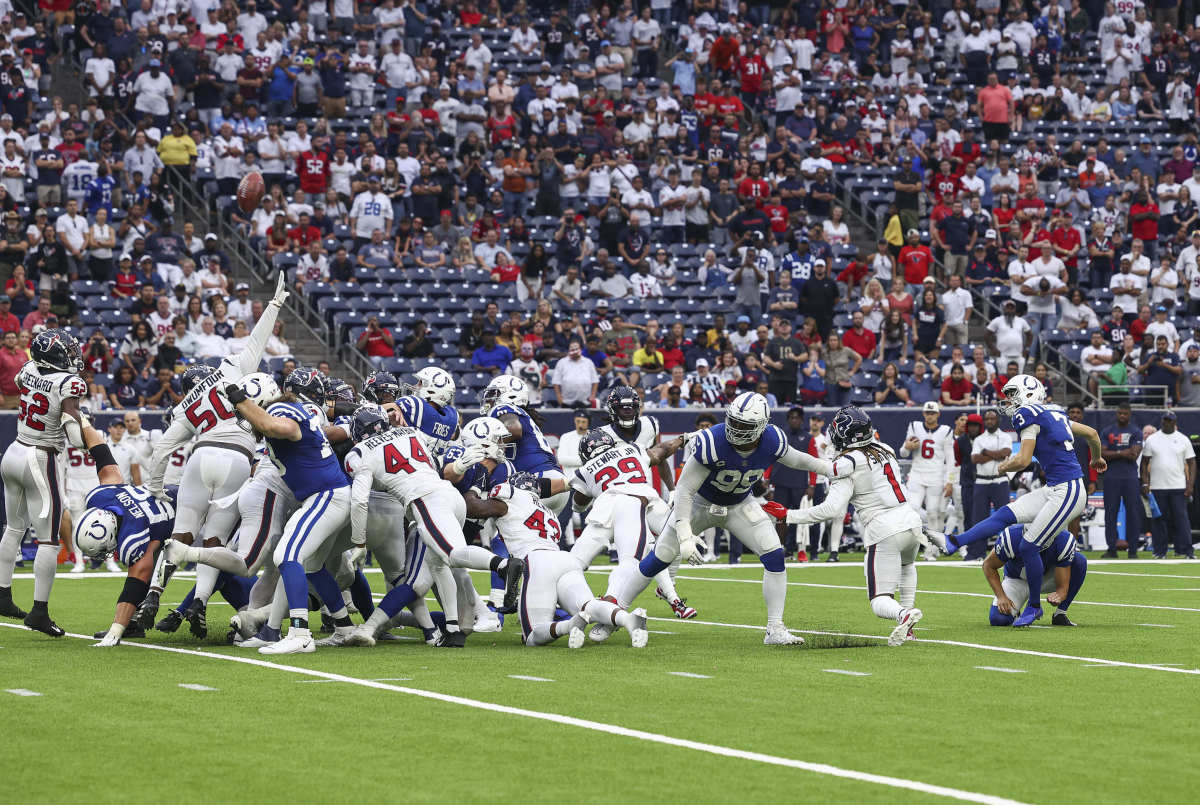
250,191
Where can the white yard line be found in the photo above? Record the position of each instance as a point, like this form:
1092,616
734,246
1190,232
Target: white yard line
192,686
1000,670
21,691
845,672
598,726
689,675
529,678
1158,625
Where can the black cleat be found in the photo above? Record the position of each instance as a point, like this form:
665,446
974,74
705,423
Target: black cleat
146,612
1111,553
196,619
40,622
7,608
1061,619
327,624
452,640
170,623
512,585
833,557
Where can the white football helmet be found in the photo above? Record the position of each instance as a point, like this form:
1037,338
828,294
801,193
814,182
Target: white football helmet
746,418
96,533
260,388
488,432
435,385
504,389
1019,391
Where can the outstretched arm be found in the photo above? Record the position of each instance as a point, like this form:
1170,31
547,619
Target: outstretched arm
137,584
1023,457
799,460
248,359
834,505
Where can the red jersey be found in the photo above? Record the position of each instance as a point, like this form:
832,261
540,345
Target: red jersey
1031,204
305,236
777,214
313,169
941,211
723,52
916,261
757,189
967,152
502,129
1147,228
1067,237
944,187
863,343
125,285
728,104
1138,329
752,70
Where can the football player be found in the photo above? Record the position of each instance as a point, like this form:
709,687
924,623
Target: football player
507,398
81,478
866,474
1048,435
626,423
531,531
931,446
1066,568
51,389
724,463
429,408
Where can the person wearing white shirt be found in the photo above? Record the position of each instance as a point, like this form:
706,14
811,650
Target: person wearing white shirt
673,199
1009,335
208,343
154,91
622,174
638,202
645,284
1096,359
525,39
99,71
957,306
1019,272
1187,265
1127,287
990,447
575,378
1043,292
1168,471
1160,326
250,23
372,210
478,55
361,66
228,150
72,229
1164,283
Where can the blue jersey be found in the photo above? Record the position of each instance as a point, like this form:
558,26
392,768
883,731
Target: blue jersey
1059,553
142,518
477,477
1055,445
425,417
533,454
308,465
731,475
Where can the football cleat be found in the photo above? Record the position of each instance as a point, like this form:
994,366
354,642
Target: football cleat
904,628
575,638
196,617
298,641
146,611
7,608
327,624
339,638
600,632
678,606
361,635
638,636
801,556
452,640
265,636
41,622
111,565
1061,619
778,635
246,623
833,557
433,637
951,544
80,564
513,571
487,620
170,623
938,540
133,630
1027,617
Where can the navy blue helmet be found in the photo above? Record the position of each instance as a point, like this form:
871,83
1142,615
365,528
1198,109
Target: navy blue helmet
193,375
368,421
307,384
624,406
593,443
56,349
381,387
851,427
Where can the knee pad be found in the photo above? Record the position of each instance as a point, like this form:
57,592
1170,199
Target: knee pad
773,561
998,618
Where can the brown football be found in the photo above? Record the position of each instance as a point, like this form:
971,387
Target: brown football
250,191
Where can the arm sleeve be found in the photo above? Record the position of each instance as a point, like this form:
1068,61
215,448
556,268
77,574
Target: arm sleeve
834,505
799,460
689,483
174,438
904,451
360,494
248,359
951,466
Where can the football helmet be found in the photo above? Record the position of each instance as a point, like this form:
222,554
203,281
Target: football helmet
193,375
340,391
435,385
624,406
503,390
489,432
56,349
851,427
746,418
368,421
307,384
1019,391
593,443
260,388
96,533
524,480
381,387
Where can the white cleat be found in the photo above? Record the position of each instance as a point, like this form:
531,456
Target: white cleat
254,641
80,565
298,641
111,565
247,622
175,552
904,629
638,636
778,635
600,632
339,638
576,638
487,621
361,635
937,540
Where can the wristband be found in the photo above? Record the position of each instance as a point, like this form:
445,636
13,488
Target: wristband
102,455
544,487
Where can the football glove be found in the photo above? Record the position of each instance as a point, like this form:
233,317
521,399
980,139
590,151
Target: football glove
235,393
775,509
112,638
470,457
689,545
281,292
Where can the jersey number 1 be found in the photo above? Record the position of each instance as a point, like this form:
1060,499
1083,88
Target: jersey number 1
891,476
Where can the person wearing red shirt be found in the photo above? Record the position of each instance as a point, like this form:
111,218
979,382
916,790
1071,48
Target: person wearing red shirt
752,69
944,184
501,126
1138,328
940,211
1067,243
70,148
313,169
966,151
9,323
377,342
1143,221
859,338
125,283
754,186
12,358
303,234
996,108
915,259
854,274
777,215
1030,208
727,104
723,52
956,389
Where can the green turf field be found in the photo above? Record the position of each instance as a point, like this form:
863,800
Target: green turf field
1107,712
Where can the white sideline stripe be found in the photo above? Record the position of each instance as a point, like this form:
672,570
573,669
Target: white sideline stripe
689,675
21,691
999,669
597,726
530,678
1158,625
1175,589
1137,575
193,686
940,592
981,646
844,672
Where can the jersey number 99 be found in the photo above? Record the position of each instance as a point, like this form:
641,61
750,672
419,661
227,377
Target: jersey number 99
736,482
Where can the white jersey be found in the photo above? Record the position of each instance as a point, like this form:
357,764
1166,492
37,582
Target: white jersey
141,445
622,470
528,525
80,468
175,464
875,492
39,421
934,459
77,176
398,461
645,432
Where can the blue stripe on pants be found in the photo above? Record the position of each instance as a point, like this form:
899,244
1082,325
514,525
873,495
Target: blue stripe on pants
304,527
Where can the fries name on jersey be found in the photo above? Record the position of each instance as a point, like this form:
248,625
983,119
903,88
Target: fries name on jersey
400,462
143,518
39,417
877,494
623,470
532,451
528,525
439,426
308,465
732,475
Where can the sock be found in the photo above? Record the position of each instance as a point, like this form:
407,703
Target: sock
447,592
774,594
219,558
236,590
327,588
543,633
624,573
263,591
268,633
295,585
377,622
666,583
396,599
10,546
634,583
1034,569
602,612
989,526
472,556
45,565
360,593
886,607
651,566
206,581
279,608
908,584
500,550
1078,573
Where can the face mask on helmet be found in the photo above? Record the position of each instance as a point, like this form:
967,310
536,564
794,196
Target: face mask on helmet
307,384
524,480
593,443
381,387
435,385
624,406
488,432
746,419
193,375
368,421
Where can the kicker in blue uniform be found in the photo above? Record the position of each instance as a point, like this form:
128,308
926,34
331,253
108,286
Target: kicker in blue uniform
1065,570
1046,434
